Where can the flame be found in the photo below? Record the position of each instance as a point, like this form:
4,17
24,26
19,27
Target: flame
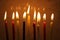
28,9
38,17
5,16
52,16
24,15
34,15
44,17
13,16
17,15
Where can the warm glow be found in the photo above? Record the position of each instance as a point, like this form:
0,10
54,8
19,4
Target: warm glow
43,9
28,9
38,17
34,15
17,21
13,16
17,15
28,19
24,15
52,16
44,17
5,16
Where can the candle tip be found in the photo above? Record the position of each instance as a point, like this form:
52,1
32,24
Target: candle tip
17,15
13,16
5,16
24,15
34,15
28,10
38,17
44,16
52,16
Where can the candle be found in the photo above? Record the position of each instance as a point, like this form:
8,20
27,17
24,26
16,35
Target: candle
28,23
34,24
44,24
13,27
5,16
17,20
28,15
38,24
51,24
24,17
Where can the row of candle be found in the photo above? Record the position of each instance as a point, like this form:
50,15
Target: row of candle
38,16
24,16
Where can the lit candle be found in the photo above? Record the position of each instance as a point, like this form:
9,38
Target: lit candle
44,24
17,20
13,27
24,18
51,24
28,15
52,18
5,16
38,17
17,17
28,22
38,24
34,24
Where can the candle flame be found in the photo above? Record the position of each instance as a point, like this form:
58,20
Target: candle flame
52,16
34,15
13,16
24,15
5,16
44,17
17,15
28,9
38,17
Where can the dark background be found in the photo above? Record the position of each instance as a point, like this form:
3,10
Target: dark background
52,6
